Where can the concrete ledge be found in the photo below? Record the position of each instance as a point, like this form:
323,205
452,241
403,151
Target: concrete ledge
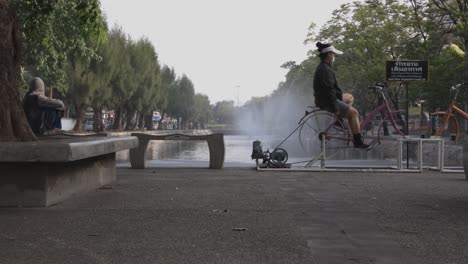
63,149
51,170
215,146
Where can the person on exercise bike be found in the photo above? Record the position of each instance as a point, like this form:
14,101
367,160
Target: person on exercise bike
329,96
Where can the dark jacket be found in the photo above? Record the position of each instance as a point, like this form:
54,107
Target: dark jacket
326,89
35,102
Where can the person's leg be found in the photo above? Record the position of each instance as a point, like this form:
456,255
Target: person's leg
58,119
353,119
52,119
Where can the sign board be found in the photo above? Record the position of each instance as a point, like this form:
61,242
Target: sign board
407,70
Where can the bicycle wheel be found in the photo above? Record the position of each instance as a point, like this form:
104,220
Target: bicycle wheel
322,123
450,131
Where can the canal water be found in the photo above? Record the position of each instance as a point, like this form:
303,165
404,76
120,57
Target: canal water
238,150
191,153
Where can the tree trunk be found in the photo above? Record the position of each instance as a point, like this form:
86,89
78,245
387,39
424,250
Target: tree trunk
149,122
141,121
118,120
160,126
79,118
98,123
131,120
13,123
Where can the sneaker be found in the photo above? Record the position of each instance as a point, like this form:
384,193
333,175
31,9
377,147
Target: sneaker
358,143
363,146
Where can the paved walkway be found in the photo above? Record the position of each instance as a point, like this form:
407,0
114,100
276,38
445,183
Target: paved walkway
245,216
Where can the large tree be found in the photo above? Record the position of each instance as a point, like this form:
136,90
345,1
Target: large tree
146,78
181,99
13,124
121,82
370,33
224,112
168,80
51,30
454,15
202,112
103,70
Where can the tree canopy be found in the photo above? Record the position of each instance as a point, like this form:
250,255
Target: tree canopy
53,29
68,44
374,31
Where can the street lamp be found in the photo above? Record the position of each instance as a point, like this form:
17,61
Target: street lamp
238,102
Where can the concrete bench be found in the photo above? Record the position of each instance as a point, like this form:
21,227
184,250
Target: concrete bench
48,171
215,146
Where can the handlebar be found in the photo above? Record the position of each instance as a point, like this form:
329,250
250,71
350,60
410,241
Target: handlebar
458,86
378,87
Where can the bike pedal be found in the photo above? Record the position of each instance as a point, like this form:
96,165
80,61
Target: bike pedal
371,145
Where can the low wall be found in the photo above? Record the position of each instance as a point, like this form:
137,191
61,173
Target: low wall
52,169
41,184
387,150
158,132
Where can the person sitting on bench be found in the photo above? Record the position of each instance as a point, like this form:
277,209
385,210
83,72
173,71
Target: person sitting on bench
43,113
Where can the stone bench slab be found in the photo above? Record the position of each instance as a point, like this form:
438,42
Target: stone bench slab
63,149
215,145
48,171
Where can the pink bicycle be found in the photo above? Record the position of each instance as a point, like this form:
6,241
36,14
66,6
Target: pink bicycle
386,112
334,133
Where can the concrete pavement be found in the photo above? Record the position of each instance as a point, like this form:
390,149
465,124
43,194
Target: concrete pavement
240,215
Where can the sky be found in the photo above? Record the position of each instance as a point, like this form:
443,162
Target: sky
229,49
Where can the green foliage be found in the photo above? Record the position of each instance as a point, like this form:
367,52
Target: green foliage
168,79
79,79
121,82
145,77
374,31
256,103
54,29
370,33
444,23
453,16
224,112
436,91
104,70
181,99
299,80
202,112
66,42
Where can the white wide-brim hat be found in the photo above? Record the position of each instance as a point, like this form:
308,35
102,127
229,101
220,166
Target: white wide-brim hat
332,49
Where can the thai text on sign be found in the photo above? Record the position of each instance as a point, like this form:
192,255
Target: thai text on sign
407,70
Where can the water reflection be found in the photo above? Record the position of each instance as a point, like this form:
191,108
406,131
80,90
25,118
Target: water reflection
238,150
